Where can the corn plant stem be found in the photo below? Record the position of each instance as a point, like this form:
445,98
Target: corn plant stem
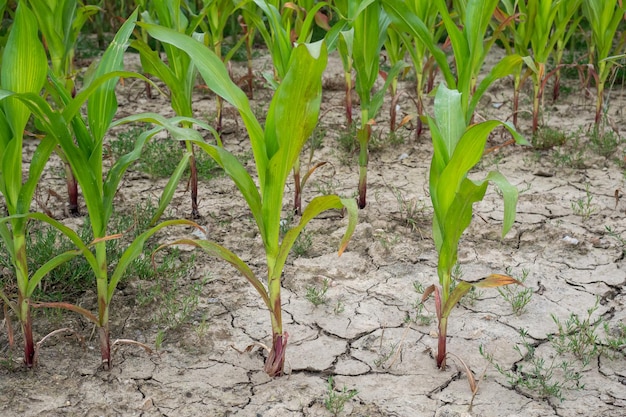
72,191
24,315
274,365
103,304
363,136
536,102
348,77
297,196
441,345
393,89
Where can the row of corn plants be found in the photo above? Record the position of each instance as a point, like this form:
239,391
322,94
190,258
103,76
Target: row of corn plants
73,120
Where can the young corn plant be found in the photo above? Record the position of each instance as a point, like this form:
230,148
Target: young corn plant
291,118
604,17
81,142
60,23
568,16
179,74
218,13
457,149
540,17
282,30
469,43
23,71
370,30
421,59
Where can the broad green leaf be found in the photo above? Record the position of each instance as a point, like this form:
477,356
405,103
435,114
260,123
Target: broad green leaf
242,179
317,206
449,118
508,65
135,249
407,21
291,119
221,252
46,268
102,105
366,51
216,77
24,66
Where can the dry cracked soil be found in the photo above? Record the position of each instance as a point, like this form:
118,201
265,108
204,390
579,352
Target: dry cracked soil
369,333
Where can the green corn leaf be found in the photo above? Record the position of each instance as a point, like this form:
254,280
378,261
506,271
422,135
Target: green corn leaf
345,47
366,51
407,21
450,119
280,40
291,119
102,105
46,268
221,252
508,65
170,187
135,249
217,79
242,179
454,222
378,98
317,206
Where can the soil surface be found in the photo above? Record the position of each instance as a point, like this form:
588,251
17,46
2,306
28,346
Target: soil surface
368,335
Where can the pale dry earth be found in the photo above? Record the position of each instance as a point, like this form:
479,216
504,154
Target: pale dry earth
360,336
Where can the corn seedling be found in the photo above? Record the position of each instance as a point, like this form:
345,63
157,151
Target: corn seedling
81,141
60,23
468,43
24,67
291,118
457,149
179,75
422,61
568,17
335,400
295,23
604,17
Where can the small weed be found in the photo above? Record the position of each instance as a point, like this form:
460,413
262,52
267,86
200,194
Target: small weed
316,295
411,211
548,138
547,378
326,187
517,296
584,206
336,400
303,243
578,336
615,339
421,316
385,354
604,143
339,306
387,240
347,140
175,309
621,241
158,341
